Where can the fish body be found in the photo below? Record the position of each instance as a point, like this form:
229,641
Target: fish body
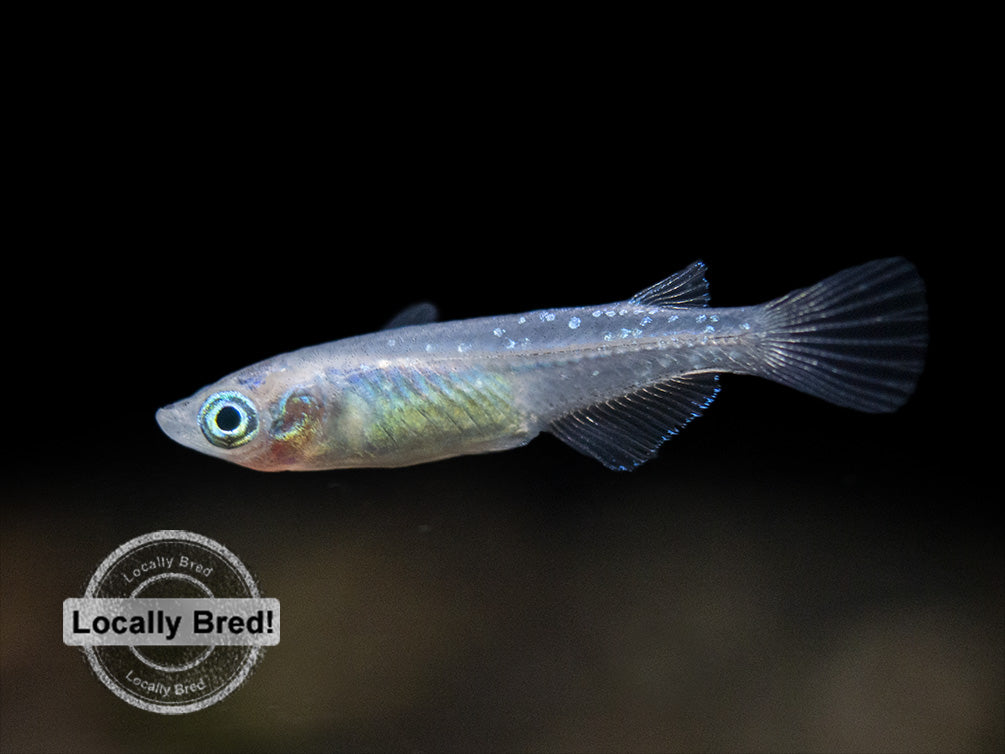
613,381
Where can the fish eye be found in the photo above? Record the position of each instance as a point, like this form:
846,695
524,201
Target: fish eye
228,419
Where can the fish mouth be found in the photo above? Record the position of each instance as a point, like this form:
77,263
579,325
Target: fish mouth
170,421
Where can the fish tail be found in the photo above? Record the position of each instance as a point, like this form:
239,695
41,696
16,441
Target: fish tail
857,338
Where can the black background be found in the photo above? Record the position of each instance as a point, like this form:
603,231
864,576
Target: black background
787,575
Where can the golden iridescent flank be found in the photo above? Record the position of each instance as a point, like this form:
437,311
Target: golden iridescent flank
411,407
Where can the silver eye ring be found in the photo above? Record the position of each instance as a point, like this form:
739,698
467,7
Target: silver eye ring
228,419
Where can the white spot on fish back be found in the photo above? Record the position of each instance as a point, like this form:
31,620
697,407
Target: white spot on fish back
573,323
598,313
547,317
646,320
498,332
745,325
522,320
463,347
701,318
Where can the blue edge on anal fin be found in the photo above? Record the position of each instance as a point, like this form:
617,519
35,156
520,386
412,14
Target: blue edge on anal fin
627,431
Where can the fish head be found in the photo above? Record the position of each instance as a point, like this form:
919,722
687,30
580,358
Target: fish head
258,423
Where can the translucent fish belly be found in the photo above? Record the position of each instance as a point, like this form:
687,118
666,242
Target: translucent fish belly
403,415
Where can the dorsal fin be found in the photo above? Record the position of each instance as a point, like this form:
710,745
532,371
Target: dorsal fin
685,288
625,432
416,314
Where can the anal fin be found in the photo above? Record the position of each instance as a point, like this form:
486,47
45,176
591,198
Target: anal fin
625,432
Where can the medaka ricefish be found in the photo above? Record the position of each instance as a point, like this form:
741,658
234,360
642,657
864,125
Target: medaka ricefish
613,381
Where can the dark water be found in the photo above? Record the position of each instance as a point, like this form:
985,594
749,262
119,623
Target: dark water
786,576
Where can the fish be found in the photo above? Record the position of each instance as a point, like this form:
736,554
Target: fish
613,381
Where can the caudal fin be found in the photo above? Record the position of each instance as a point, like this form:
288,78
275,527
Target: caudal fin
857,338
